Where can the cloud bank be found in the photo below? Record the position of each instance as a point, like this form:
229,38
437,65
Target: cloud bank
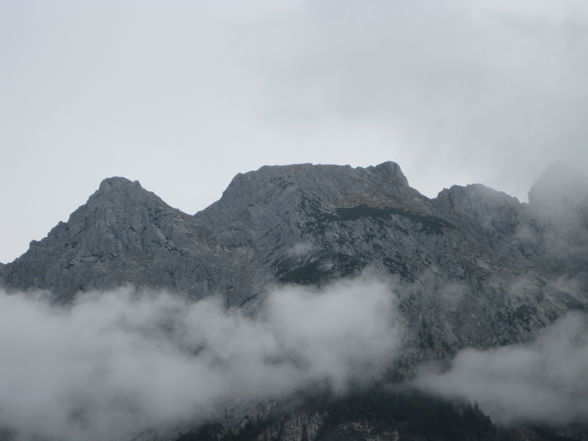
546,381
118,363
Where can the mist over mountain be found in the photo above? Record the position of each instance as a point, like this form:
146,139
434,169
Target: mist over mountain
305,290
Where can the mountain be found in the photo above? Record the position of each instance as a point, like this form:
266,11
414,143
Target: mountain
125,234
306,224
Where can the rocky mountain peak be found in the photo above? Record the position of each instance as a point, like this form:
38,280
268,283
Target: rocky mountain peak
391,170
492,216
475,200
329,185
470,269
324,179
122,192
105,240
281,199
117,182
302,224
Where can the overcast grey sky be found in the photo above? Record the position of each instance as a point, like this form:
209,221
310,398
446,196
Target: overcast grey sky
182,95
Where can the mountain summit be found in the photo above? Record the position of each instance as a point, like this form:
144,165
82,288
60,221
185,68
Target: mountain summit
473,267
309,224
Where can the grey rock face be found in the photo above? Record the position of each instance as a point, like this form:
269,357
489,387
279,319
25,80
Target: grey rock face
474,267
310,224
125,234
489,212
494,219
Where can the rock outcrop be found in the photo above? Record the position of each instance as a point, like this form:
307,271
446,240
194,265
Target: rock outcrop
126,235
474,267
312,224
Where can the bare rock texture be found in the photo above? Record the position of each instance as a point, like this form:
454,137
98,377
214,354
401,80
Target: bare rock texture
312,224
474,267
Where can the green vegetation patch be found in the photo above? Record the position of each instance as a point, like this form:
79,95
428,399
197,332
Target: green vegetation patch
321,269
306,274
426,224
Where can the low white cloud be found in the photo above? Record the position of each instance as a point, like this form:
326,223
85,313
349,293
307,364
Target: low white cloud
300,249
118,363
546,381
